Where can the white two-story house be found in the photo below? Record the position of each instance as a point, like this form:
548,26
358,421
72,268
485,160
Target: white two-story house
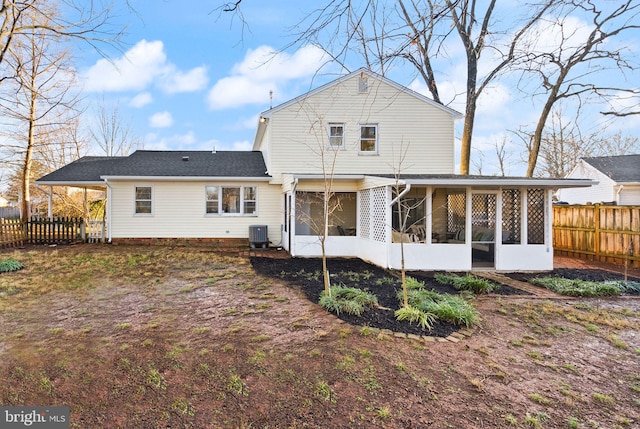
381,154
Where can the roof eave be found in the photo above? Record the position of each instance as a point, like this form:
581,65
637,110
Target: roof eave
187,178
539,183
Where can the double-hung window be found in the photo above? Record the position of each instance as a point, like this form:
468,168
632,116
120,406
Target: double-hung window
336,136
368,139
143,199
235,200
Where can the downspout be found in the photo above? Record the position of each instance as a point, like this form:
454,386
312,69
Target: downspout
618,190
108,210
292,225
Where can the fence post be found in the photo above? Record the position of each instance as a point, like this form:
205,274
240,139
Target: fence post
596,232
83,230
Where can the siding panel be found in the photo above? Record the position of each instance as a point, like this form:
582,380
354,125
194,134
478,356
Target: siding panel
179,212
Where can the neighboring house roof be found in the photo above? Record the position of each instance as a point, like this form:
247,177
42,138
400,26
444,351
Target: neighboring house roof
157,164
621,168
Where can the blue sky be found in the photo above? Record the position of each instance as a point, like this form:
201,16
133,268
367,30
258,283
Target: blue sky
191,79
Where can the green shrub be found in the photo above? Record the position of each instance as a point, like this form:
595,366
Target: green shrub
413,283
449,308
348,300
468,282
582,288
627,286
7,265
413,315
452,309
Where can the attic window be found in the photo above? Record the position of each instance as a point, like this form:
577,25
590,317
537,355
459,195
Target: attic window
363,84
185,158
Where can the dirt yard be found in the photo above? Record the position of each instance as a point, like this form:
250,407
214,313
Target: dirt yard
150,337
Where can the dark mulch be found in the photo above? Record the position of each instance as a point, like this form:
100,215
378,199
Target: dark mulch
305,273
588,274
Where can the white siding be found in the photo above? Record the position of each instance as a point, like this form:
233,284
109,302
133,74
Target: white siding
630,195
179,212
603,191
298,132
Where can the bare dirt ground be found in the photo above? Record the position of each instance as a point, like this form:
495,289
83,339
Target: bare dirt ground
149,337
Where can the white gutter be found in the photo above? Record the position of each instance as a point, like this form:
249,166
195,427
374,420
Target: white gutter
475,182
187,178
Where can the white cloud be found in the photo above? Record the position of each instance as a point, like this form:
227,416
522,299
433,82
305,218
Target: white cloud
141,100
132,72
141,66
161,120
190,81
153,141
261,71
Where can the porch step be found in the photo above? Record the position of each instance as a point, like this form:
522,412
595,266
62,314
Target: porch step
527,287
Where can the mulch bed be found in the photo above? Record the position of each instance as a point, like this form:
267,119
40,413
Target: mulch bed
305,273
588,274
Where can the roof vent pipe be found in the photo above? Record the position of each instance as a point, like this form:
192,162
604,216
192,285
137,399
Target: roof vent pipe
185,158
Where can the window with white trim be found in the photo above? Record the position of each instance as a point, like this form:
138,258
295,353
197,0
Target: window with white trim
143,199
368,138
336,136
234,200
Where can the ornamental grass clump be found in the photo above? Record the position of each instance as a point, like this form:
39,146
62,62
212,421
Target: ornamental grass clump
574,287
414,315
7,265
446,307
348,300
467,282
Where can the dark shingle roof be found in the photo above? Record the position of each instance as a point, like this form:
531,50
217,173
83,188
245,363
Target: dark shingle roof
621,168
145,163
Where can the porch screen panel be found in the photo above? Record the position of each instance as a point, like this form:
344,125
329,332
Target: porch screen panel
448,215
511,216
365,213
535,216
379,214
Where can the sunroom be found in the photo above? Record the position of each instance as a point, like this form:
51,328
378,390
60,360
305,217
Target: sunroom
454,223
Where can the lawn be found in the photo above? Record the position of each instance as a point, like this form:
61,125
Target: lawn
137,337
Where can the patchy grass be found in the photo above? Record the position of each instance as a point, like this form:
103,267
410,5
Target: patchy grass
187,337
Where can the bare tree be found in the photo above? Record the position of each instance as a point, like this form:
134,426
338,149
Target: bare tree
563,143
567,71
40,99
112,133
85,20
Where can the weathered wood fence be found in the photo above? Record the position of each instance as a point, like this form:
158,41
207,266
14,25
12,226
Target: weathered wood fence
58,230
11,233
598,232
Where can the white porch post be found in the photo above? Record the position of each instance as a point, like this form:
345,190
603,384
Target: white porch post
548,220
50,203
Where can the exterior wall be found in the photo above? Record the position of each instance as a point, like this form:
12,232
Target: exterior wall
298,132
602,192
630,195
179,212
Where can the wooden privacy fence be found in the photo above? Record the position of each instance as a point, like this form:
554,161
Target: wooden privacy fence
11,233
599,232
59,230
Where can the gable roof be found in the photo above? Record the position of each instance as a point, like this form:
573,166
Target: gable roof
264,116
621,168
161,164
366,71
